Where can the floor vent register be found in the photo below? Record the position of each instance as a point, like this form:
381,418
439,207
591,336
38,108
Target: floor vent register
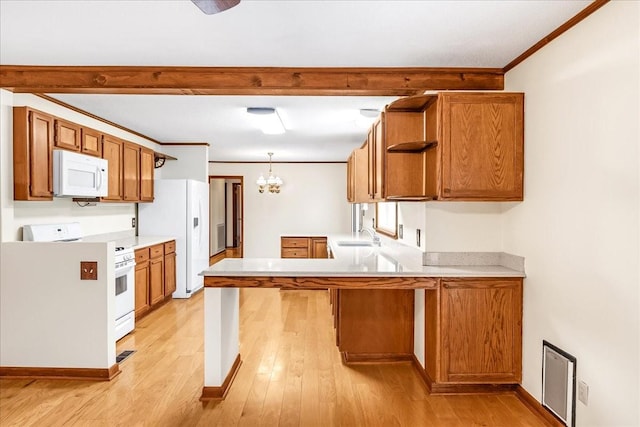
120,358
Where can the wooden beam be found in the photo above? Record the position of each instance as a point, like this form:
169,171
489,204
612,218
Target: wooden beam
246,80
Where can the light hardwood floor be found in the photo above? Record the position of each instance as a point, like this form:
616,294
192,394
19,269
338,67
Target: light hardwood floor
291,375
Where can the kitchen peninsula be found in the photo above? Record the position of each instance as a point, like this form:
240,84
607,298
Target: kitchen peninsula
458,319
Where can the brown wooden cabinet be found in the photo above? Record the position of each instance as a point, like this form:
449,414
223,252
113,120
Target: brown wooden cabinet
169,268
36,134
67,135
357,175
32,154
374,325
303,247
147,163
449,146
131,172
155,276
112,151
482,146
473,333
91,142
142,304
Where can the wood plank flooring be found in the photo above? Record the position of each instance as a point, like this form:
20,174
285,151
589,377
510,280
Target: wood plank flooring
291,375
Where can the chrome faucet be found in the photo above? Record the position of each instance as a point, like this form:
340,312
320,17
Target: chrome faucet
374,237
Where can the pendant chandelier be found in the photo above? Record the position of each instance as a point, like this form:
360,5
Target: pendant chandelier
272,183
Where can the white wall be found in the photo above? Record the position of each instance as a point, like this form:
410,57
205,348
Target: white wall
312,201
103,218
578,226
48,316
191,164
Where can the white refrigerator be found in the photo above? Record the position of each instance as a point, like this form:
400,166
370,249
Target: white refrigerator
180,208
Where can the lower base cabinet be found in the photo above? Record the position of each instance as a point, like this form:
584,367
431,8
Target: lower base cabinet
155,276
374,325
472,330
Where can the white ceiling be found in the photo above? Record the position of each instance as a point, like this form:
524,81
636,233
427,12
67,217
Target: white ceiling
296,33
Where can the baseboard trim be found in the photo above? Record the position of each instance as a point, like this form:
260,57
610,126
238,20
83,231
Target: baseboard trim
435,388
422,372
537,408
89,374
219,393
356,358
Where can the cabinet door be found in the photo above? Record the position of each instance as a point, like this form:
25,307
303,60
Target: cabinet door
481,330
40,155
371,164
147,164
142,288
156,280
482,146
379,158
131,172
112,152
91,142
319,247
361,173
169,274
67,135
351,178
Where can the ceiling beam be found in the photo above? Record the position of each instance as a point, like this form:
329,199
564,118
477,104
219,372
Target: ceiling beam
380,81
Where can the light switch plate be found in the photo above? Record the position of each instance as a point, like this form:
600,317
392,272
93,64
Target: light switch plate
88,270
400,231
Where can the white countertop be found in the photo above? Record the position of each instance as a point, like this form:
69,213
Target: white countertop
127,240
390,259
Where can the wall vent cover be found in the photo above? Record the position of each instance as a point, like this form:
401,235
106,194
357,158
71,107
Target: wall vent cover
559,383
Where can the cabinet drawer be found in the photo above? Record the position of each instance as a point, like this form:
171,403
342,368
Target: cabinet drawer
294,242
156,250
142,255
170,247
295,253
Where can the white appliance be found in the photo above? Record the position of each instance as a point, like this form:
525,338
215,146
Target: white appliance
124,269
125,291
79,175
180,209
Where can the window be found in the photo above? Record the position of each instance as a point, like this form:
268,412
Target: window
387,219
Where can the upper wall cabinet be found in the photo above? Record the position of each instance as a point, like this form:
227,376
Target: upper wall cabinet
67,135
112,152
36,134
91,142
482,146
357,175
32,154
449,146
147,165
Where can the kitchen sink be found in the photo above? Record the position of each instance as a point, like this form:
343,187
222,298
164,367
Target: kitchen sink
354,243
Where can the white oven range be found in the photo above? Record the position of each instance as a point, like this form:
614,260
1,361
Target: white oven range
125,291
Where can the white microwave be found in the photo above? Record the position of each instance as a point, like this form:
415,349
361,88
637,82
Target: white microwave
79,175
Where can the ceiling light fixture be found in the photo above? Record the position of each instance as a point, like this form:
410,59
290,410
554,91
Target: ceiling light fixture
267,119
367,116
273,183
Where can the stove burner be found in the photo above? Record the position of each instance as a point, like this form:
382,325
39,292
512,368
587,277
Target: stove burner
119,248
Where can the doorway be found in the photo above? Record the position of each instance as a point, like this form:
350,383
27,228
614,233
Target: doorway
227,218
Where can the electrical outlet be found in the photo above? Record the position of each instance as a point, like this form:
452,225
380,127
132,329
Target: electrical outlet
88,270
400,231
418,237
133,222
583,392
